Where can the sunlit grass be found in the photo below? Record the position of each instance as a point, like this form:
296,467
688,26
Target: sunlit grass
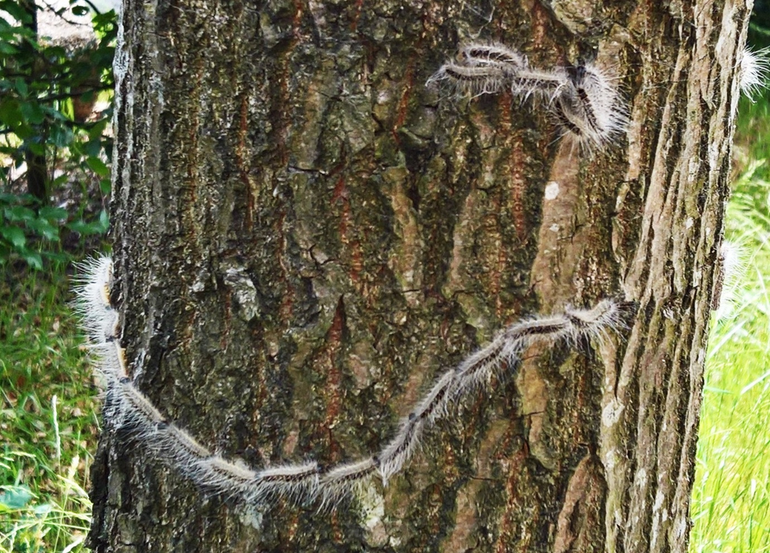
48,420
731,498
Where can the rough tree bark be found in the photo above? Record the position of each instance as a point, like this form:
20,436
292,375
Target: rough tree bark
305,235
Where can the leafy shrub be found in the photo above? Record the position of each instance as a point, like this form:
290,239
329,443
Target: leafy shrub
30,231
51,139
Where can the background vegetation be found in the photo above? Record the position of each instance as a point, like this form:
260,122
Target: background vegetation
731,502
55,94
54,143
54,183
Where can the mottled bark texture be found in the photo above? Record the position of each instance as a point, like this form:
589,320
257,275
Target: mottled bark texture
305,235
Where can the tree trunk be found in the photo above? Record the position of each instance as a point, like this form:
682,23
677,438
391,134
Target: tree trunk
306,236
37,168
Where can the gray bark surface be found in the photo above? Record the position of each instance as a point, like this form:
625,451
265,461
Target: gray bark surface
305,236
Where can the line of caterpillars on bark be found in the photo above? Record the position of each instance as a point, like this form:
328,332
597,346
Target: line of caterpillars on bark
308,481
583,99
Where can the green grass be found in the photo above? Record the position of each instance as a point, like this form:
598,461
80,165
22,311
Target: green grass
48,422
731,496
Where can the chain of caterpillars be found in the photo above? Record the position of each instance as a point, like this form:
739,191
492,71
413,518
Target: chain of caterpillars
583,99
310,481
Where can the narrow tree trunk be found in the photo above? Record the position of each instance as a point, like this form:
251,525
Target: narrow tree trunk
37,169
306,235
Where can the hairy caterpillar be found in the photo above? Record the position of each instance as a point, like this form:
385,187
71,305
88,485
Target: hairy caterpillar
730,271
307,482
583,100
753,70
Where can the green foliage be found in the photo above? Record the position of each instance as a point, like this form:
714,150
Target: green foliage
31,232
731,496
48,417
759,31
19,221
48,130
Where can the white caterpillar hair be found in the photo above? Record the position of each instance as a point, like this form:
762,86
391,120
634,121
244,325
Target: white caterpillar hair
730,270
307,482
583,99
753,70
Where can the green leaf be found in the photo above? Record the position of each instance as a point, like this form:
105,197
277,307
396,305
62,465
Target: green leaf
32,112
53,113
61,136
98,166
34,260
52,52
15,10
104,220
7,48
53,213
21,86
14,498
42,510
61,179
60,257
93,147
83,227
14,235
95,227
18,213
9,112
106,19
36,148
45,229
